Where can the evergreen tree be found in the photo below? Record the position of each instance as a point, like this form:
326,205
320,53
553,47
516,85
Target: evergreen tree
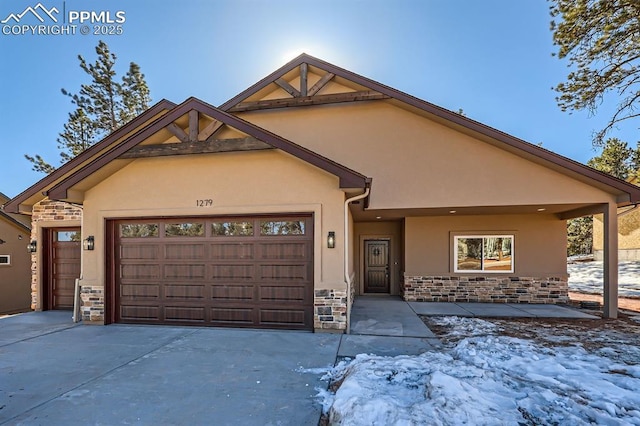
600,40
616,159
102,106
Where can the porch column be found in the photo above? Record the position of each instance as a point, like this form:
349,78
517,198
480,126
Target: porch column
610,261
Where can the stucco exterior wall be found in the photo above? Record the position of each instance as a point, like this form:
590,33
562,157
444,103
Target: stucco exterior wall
258,182
540,271
540,242
15,278
417,162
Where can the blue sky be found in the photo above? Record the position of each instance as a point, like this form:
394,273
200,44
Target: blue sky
492,58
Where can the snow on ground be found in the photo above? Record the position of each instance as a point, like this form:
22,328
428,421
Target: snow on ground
587,277
486,376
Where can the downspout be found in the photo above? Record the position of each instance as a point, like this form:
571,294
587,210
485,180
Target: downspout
347,278
76,291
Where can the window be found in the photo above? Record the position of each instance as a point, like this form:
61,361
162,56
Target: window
184,230
483,253
277,227
139,230
234,229
5,260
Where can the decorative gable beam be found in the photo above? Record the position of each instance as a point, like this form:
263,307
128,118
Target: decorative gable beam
197,147
193,125
178,132
320,84
303,79
366,95
208,131
288,88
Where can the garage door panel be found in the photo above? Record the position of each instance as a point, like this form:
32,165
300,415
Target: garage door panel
245,271
280,293
180,314
287,272
139,271
231,251
222,292
284,250
287,317
184,251
140,291
139,252
139,313
239,316
184,291
234,272
195,271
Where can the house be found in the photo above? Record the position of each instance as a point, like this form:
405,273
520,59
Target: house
313,185
15,261
628,234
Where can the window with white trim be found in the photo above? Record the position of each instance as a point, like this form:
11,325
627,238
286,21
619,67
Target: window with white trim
5,260
483,253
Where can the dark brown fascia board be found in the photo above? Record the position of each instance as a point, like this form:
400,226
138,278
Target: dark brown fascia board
445,114
14,221
14,204
348,178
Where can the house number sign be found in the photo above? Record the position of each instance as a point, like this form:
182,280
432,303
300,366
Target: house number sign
204,203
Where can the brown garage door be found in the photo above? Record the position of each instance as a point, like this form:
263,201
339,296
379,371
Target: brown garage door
231,271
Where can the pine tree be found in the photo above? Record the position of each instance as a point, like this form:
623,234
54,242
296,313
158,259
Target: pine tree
616,159
600,40
102,106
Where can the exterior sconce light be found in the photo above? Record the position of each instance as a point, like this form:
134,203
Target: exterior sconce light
331,239
2,241
89,243
32,247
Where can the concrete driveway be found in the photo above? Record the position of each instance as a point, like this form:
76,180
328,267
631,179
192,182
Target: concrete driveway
52,372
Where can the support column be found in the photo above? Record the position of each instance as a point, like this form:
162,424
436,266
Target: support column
610,261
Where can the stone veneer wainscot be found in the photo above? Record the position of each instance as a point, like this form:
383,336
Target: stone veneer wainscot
494,289
330,310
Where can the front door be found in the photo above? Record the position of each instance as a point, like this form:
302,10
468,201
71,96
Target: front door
62,266
376,266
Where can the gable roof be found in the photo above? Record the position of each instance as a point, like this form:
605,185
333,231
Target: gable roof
15,219
78,169
630,193
39,189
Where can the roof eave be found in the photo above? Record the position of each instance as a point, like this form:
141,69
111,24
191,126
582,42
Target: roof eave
13,205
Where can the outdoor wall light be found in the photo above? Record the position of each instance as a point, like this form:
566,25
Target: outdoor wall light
331,239
32,247
2,241
89,243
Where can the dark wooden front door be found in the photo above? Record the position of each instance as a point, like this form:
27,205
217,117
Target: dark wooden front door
62,266
376,266
254,271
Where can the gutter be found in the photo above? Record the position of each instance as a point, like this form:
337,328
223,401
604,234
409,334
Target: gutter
347,278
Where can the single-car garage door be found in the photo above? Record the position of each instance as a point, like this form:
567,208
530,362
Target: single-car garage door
221,271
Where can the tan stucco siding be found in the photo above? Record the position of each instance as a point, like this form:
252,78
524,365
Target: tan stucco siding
15,278
540,242
238,183
416,162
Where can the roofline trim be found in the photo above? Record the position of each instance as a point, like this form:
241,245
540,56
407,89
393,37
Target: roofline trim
348,178
13,205
475,126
